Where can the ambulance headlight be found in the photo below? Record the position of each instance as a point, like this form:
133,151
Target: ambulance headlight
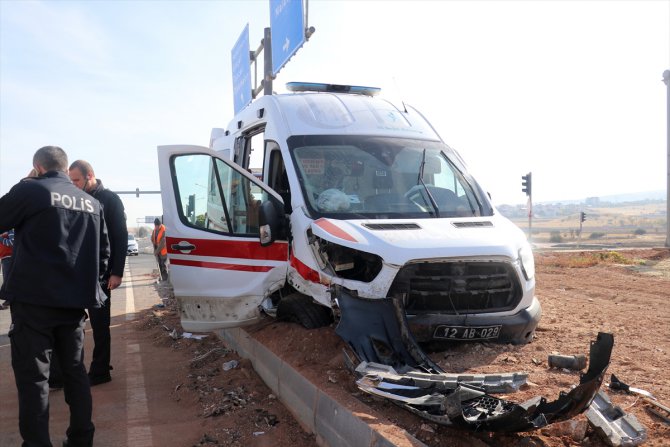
527,261
349,263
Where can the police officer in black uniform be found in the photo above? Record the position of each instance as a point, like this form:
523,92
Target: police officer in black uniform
60,247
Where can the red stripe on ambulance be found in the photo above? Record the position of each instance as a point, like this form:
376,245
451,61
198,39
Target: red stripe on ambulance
333,229
232,249
221,265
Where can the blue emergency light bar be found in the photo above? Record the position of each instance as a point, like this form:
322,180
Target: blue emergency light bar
331,88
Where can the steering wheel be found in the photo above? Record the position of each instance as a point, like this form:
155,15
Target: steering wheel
444,198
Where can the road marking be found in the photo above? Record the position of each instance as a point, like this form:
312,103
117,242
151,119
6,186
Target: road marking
137,419
130,296
139,430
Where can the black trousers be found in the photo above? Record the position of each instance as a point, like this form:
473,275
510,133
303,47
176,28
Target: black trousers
100,319
37,335
162,266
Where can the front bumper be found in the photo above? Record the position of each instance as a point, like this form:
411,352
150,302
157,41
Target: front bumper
518,328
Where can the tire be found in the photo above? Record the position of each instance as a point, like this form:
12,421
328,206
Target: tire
301,309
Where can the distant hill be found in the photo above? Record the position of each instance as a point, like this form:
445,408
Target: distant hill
634,196
614,198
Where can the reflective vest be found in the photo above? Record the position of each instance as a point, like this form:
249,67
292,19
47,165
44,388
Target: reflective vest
157,236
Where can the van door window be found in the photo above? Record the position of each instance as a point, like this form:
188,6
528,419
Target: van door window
214,196
249,152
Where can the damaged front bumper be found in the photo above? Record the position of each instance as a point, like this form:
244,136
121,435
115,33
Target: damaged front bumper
377,331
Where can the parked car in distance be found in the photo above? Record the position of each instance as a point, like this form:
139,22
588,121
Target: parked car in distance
133,248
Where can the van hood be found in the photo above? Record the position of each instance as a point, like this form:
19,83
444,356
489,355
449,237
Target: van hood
400,241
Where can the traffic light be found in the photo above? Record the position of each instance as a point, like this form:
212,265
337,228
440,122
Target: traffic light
190,208
582,216
526,183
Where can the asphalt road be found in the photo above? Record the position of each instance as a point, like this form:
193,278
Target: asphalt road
121,408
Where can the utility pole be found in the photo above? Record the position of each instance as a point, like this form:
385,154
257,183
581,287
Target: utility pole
666,79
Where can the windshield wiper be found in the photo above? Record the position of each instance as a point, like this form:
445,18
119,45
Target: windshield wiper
420,180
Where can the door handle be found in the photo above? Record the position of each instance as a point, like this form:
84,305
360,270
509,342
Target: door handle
183,246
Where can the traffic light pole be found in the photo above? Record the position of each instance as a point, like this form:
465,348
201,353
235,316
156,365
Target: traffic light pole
666,79
527,187
530,218
579,241
582,218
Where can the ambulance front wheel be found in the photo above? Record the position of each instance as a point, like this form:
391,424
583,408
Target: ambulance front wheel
302,309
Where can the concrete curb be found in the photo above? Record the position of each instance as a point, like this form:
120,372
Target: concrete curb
333,424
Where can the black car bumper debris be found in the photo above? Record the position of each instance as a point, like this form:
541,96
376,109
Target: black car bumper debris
378,333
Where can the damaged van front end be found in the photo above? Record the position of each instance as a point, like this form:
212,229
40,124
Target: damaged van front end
453,278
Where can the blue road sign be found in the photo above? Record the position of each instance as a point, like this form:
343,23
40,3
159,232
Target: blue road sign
287,22
241,71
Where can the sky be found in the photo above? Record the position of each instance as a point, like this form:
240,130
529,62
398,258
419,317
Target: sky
571,91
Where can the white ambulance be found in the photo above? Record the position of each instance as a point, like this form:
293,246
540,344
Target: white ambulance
356,209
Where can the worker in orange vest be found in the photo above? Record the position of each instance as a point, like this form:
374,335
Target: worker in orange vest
160,247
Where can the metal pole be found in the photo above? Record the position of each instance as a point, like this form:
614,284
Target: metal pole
267,61
530,218
666,79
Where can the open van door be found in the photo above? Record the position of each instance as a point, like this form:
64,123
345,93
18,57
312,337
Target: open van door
219,271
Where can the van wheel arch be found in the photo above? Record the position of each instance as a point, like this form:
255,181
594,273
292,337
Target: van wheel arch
302,309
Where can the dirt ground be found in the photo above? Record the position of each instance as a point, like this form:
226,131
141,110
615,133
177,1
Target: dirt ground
582,293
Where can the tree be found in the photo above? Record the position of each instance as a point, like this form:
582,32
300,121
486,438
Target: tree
143,232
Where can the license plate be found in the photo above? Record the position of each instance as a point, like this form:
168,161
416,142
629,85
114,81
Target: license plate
467,333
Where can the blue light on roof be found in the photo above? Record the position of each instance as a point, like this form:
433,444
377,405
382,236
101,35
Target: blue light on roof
332,88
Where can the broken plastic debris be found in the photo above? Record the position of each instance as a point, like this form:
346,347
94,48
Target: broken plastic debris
615,426
469,406
230,365
491,383
658,409
574,362
195,336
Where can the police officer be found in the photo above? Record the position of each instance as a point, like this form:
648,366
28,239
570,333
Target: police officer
82,175
60,246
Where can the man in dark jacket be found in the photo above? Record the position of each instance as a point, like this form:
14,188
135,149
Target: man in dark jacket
83,177
60,246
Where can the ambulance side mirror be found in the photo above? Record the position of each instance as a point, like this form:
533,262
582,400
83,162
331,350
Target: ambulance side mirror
271,222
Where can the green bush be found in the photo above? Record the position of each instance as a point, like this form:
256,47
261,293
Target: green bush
597,235
640,232
555,236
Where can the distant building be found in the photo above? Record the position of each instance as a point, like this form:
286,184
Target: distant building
593,201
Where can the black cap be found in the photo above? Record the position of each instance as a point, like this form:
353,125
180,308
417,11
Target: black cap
157,221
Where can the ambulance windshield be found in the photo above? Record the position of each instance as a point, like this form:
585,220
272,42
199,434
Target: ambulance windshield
347,177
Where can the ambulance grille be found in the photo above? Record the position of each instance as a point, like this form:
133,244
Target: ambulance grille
475,224
392,226
457,287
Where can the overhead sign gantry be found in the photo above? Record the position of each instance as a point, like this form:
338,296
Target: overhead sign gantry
287,22
287,33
